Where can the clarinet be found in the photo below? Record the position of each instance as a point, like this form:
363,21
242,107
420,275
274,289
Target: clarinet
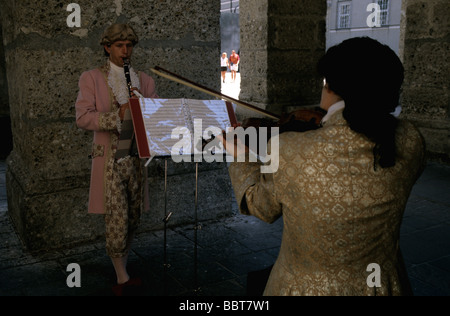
126,69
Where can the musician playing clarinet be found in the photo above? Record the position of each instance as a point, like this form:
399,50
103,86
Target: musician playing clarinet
117,185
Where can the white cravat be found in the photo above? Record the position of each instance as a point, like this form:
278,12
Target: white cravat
333,109
118,82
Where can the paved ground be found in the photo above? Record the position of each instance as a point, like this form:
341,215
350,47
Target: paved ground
227,250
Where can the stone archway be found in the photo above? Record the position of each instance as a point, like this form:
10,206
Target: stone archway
281,41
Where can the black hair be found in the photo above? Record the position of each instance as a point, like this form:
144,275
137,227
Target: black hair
367,75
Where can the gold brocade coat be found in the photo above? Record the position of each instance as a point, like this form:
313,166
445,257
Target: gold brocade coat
340,214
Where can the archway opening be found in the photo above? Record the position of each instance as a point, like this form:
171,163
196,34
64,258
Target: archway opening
230,41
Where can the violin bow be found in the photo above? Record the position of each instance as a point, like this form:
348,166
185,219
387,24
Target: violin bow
177,78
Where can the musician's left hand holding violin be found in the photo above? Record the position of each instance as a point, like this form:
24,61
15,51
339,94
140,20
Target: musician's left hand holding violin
233,145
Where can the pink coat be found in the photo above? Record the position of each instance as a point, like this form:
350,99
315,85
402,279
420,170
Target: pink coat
94,98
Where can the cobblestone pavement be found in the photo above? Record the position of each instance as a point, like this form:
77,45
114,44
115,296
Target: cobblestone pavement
228,249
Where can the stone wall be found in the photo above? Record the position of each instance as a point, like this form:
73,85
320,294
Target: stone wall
5,121
281,42
4,103
425,46
48,170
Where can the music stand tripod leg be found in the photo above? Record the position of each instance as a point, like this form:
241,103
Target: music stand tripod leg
196,228
165,220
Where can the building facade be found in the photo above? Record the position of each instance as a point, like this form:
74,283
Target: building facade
378,19
230,34
229,6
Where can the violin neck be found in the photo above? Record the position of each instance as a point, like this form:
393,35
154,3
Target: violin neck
177,78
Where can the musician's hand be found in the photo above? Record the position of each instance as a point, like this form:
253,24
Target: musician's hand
233,145
138,93
122,110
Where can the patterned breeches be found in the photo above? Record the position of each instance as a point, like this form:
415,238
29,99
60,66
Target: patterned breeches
124,216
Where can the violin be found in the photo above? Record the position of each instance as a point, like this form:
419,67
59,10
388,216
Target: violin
301,120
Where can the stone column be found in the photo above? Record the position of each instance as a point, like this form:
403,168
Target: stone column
5,121
49,171
425,50
281,42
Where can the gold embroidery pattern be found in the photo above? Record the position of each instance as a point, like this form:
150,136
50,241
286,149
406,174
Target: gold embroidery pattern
109,121
125,205
111,200
109,152
339,214
97,150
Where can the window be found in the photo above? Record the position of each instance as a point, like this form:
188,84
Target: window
344,11
384,11
231,6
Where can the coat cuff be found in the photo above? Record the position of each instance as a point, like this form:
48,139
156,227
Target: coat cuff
243,175
110,121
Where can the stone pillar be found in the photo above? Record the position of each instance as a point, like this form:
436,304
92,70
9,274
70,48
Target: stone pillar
281,42
5,121
425,50
48,171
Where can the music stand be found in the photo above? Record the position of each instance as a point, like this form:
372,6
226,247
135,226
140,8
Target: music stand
168,215
155,119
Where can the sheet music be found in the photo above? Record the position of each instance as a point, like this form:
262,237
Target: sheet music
163,116
212,112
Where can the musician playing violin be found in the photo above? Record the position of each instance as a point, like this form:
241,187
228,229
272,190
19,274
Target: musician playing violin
342,188
117,186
